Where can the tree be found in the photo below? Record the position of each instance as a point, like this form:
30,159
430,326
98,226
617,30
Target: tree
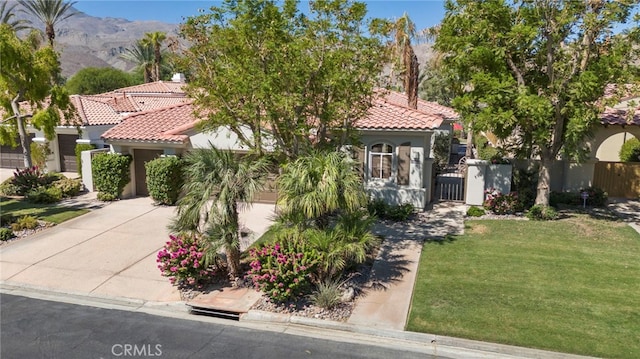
94,80
317,185
7,14
217,183
142,56
28,74
279,78
50,13
403,31
154,40
536,70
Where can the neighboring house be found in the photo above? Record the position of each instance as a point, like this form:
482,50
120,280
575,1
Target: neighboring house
395,157
94,115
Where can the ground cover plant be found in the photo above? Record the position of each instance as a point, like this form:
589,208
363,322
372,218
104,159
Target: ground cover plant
569,285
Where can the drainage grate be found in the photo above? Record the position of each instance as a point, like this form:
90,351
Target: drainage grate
217,313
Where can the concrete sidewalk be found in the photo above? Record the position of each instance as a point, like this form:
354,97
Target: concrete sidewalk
386,300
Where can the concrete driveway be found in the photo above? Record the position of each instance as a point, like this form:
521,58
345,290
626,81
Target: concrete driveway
110,252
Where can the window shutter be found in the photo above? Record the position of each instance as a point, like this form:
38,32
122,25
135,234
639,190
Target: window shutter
404,162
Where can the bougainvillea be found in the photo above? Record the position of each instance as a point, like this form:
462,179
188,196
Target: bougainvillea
500,203
182,260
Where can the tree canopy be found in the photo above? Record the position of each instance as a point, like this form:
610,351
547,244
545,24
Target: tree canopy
29,74
278,77
50,13
536,70
94,80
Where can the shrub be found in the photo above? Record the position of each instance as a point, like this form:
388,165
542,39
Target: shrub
400,213
6,219
24,222
525,183
597,196
630,151
105,197
327,294
182,260
542,213
282,271
27,179
111,173
6,234
164,179
68,187
44,195
39,153
377,207
78,150
474,211
570,198
441,150
8,188
499,203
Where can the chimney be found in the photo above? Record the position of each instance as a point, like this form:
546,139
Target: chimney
178,77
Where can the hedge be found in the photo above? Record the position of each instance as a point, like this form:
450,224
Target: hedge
110,174
79,148
164,179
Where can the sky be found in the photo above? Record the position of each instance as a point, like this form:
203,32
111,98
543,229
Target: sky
424,13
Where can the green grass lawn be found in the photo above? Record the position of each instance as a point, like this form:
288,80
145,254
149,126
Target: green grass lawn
571,286
53,213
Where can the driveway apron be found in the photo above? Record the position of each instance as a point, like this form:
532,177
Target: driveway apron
108,252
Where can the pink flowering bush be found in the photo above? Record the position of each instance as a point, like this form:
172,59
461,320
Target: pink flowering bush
182,260
500,203
282,271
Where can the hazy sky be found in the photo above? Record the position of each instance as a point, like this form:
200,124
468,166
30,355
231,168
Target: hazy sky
424,13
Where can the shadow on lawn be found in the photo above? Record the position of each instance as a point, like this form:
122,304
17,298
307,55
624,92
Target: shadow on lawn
19,207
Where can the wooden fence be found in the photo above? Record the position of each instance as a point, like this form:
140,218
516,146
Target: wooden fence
618,179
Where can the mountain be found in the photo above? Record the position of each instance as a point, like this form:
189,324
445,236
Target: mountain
89,41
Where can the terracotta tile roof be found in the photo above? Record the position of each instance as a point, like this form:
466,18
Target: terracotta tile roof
387,114
147,103
95,110
158,87
399,98
160,125
620,117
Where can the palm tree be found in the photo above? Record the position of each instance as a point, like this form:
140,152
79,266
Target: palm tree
6,16
142,55
315,186
154,40
404,30
50,12
217,183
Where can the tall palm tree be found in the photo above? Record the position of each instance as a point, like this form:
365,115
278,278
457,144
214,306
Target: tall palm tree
315,186
6,17
155,40
217,183
142,55
50,13
404,30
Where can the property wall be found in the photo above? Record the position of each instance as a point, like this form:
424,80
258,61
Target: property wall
482,176
53,162
223,138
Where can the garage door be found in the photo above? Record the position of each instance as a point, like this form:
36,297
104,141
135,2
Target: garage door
67,148
140,157
11,157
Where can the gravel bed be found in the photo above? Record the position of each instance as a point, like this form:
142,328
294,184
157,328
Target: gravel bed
42,225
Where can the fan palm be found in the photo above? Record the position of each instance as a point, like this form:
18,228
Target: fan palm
141,55
154,40
7,14
217,183
316,185
50,12
403,31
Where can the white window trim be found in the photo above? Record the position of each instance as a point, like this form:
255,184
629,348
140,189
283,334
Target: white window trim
394,164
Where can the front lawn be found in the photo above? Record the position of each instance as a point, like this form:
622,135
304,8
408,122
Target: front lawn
570,286
53,213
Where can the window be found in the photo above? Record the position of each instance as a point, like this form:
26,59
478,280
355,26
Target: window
381,160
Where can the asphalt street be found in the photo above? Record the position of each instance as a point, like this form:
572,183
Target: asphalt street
33,328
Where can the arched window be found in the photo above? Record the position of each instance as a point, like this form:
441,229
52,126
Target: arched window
381,160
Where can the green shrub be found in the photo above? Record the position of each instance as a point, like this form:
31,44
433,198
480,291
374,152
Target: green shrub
164,179
542,213
377,207
106,197
25,222
475,211
400,213
569,198
78,150
69,187
327,294
44,195
441,150
27,179
6,219
111,173
8,188
597,196
630,151
39,153
6,234
500,203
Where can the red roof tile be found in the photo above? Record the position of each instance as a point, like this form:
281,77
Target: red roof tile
620,117
158,87
387,114
429,107
160,125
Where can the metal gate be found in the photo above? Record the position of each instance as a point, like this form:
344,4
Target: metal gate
450,187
